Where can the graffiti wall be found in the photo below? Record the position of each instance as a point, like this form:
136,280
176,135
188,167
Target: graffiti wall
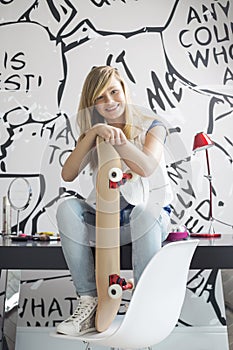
177,59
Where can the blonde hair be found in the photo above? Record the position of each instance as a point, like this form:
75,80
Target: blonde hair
95,83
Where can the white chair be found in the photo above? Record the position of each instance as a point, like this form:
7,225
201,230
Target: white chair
156,302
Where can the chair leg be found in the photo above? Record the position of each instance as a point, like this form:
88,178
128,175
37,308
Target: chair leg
9,310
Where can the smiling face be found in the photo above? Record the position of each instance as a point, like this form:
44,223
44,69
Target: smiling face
110,104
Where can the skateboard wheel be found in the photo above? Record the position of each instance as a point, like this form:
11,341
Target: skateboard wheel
115,174
115,291
131,281
134,176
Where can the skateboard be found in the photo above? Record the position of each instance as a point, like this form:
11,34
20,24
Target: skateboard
107,255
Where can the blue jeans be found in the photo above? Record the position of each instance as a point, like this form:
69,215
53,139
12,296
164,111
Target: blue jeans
76,225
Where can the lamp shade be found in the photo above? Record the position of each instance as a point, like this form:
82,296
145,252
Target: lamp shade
201,142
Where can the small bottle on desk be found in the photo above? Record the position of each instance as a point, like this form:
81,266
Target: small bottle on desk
6,218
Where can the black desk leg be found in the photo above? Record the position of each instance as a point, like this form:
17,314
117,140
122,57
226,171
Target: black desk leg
9,309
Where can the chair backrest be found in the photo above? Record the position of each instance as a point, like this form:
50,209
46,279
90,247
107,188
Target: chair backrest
158,298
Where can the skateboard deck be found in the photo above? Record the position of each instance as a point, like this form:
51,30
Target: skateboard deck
107,233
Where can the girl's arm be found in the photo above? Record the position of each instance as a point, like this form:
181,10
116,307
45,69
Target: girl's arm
80,156
141,162
146,161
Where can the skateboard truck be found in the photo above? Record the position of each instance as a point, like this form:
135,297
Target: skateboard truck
117,285
118,178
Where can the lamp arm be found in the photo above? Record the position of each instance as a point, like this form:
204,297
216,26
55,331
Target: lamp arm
209,177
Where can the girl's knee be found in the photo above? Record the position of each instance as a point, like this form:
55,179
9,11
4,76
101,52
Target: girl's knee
136,211
64,206
69,218
68,209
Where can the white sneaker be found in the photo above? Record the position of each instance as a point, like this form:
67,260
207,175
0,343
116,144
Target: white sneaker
83,319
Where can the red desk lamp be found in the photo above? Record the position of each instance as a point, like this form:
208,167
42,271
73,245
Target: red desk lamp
203,142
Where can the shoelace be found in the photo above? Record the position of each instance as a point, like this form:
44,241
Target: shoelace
82,309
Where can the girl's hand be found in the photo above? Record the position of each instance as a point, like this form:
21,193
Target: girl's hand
110,134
